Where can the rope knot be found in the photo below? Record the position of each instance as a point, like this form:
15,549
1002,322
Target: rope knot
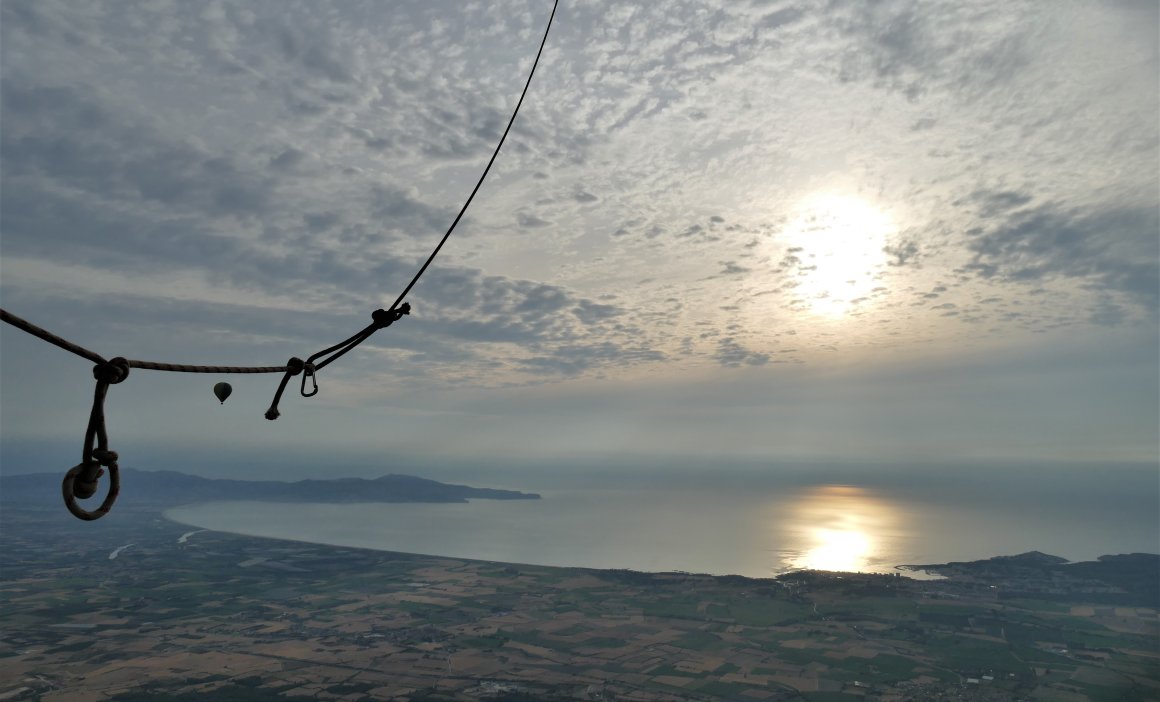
81,482
85,481
385,318
105,457
294,367
112,371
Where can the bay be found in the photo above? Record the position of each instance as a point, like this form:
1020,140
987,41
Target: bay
755,530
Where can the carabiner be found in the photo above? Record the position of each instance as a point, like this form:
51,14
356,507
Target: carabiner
308,372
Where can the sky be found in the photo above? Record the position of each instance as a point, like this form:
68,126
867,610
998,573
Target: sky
759,232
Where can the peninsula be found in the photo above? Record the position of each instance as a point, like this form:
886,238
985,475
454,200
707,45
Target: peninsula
161,489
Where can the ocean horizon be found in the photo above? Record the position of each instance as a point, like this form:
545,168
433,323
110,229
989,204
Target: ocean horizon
739,527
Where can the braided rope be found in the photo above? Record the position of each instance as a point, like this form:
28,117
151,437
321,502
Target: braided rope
48,336
96,358
179,368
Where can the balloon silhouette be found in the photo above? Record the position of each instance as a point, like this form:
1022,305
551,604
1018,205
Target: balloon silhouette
222,390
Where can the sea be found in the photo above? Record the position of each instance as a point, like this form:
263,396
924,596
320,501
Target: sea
755,524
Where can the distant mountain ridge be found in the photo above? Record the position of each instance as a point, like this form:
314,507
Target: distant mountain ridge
166,488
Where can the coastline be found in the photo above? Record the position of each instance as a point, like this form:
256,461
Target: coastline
913,572
286,616
483,561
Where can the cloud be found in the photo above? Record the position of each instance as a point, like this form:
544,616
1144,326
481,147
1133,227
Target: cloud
315,156
530,221
732,268
911,47
238,182
401,209
288,159
576,359
901,253
1110,250
321,221
316,52
732,354
996,203
57,136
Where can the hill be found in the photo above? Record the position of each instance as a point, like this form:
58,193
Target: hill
1124,579
169,488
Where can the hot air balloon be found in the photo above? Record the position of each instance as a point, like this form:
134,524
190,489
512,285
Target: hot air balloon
222,390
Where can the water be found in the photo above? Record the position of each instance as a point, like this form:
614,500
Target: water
754,530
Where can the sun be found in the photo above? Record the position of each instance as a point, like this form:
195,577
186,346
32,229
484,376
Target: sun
831,250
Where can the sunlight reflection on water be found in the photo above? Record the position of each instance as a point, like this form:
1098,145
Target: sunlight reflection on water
757,531
840,527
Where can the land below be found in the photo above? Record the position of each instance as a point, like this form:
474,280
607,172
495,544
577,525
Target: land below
136,607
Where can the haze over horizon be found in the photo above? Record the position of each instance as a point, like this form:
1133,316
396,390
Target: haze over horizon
753,232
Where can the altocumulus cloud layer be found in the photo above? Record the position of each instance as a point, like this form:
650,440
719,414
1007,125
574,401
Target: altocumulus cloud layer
708,188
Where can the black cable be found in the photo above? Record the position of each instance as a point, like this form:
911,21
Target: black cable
488,168
384,318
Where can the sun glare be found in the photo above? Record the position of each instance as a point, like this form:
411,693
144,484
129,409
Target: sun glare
838,550
840,528
832,248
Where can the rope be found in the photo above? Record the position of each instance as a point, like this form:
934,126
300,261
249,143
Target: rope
81,351
81,481
178,368
384,318
49,337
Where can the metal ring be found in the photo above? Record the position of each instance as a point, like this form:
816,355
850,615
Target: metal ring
70,499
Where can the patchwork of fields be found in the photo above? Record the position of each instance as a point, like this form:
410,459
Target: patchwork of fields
136,607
